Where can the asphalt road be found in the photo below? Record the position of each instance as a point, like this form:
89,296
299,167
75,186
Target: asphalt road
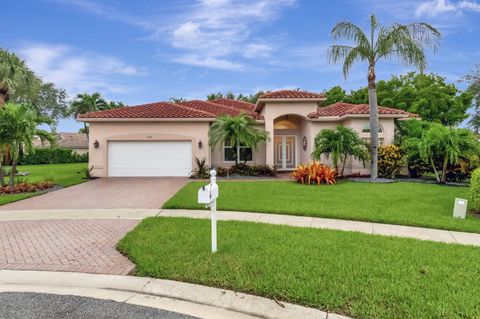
26,305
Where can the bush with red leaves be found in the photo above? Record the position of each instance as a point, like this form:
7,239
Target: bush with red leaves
26,188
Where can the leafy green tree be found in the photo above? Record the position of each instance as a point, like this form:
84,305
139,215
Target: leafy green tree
18,126
474,88
441,146
251,98
404,42
334,95
15,77
340,143
236,130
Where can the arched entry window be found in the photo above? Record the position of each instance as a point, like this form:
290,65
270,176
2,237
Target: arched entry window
284,125
366,128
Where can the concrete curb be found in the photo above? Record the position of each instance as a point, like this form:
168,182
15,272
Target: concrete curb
438,235
190,299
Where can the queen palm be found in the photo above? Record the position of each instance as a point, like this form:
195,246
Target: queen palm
15,77
236,130
85,103
404,42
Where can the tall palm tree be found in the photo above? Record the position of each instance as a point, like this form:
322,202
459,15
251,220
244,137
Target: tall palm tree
340,143
15,76
85,103
236,130
404,42
18,126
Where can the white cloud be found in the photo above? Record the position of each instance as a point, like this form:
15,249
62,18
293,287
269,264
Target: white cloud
208,62
77,72
434,8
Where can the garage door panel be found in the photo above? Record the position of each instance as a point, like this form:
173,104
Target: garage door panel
149,158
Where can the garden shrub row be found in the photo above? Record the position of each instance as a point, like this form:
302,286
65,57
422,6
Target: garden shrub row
247,170
53,155
25,187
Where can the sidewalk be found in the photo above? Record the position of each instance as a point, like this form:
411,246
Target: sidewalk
445,236
189,299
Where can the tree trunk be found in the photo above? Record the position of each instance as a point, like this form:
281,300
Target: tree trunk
344,163
435,170
13,169
3,96
444,170
372,100
2,172
86,131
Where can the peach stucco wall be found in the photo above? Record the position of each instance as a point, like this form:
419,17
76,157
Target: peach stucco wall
104,132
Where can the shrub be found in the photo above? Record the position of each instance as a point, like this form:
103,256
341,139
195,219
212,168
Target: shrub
390,161
201,171
463,169
53,155
314,173
247,170
26,188
475,189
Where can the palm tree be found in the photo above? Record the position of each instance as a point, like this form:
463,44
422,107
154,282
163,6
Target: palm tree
18,126
15,77
440,146
404,42
236,130
85,103
340,143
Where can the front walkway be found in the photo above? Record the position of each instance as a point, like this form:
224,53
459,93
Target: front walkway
445,236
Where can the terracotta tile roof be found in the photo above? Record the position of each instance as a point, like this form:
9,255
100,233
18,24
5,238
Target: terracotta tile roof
235,103
210,107
65,140
152,110
292,94
341,109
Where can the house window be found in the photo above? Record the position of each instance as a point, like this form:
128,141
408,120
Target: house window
381,141
366,128
243,153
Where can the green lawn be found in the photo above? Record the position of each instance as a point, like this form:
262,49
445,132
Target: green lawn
402,203
360,275
62,174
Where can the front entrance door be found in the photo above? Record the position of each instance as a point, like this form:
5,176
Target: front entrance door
285,152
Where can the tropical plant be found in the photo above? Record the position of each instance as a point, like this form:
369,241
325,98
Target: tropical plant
236,130
85,103
474,88
390,160
475,189
441,146
405,42
18,126
339,143
15,77
314,173
202,170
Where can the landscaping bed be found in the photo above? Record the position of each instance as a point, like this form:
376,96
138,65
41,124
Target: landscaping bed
359,275
400,203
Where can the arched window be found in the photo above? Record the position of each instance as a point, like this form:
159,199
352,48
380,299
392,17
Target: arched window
284,125
366,128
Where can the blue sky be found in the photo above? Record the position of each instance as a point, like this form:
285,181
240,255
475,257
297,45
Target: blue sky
143,51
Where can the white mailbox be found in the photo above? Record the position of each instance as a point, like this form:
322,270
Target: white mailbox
208,195
460,208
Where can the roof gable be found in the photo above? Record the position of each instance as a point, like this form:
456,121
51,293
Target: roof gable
341,109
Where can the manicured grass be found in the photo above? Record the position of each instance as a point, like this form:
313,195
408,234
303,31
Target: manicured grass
364,276
62,174
402,203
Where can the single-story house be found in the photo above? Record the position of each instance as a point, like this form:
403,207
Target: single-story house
163,138
77,142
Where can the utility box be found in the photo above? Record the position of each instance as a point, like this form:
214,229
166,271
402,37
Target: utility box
460,208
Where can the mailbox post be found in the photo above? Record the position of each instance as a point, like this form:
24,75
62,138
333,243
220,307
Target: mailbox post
208,195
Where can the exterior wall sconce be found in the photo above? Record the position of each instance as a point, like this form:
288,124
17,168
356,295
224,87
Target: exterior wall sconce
200,144
96,144
304,143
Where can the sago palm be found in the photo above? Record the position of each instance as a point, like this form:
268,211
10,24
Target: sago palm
406,43
85,103
236,130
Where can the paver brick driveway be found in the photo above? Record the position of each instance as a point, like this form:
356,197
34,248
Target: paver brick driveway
118,192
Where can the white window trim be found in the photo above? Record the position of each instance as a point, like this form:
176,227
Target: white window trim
238,154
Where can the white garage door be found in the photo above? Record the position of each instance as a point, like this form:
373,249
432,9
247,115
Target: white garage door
150,158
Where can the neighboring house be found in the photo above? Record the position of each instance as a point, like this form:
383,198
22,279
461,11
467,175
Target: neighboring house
77,142
162,139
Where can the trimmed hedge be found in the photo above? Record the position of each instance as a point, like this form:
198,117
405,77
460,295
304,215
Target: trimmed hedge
475,189
53,155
